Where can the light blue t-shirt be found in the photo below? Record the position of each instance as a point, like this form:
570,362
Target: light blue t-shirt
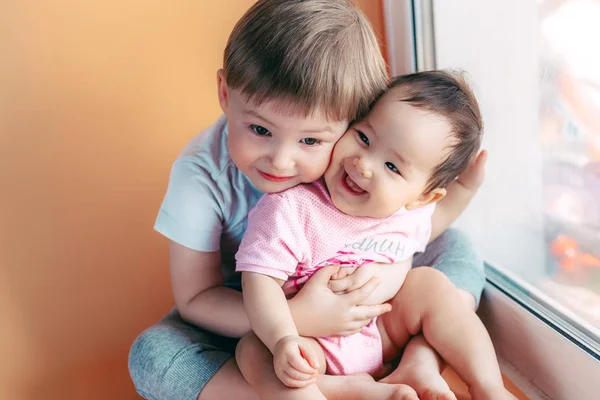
208,199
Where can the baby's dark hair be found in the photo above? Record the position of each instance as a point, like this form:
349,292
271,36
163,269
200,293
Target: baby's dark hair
448,94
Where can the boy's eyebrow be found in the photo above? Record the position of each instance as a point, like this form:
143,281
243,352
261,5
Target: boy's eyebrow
326,128
257,115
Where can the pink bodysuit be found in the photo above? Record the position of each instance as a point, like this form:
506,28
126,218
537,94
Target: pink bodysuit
292,234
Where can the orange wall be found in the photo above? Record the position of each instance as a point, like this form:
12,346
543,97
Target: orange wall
96,100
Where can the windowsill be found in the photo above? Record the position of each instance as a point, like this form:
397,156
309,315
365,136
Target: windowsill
544,361
461,390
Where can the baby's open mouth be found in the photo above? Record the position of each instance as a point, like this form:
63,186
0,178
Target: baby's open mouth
351,185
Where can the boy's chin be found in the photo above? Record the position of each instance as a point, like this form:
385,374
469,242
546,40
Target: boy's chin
273,187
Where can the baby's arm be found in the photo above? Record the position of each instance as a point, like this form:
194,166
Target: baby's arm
267,308
272,322
458,196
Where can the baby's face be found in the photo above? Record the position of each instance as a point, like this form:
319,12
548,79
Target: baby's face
384,162
278,150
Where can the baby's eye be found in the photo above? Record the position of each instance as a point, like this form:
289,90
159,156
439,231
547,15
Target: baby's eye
310,141
392,167
259,130
363,137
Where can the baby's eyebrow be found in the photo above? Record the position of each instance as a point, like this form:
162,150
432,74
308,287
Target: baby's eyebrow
403,160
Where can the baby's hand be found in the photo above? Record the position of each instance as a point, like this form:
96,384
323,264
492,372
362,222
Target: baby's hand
295,362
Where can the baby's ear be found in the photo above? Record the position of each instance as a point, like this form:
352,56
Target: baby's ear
432,196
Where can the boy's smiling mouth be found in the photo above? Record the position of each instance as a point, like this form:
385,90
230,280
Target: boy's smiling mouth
350,185
274,178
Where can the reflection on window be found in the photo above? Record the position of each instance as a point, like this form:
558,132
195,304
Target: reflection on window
570,136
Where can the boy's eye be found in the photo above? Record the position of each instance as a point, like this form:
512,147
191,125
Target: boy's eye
310,141
260,130
392,167
363,137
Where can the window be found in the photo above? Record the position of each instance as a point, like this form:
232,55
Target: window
535,67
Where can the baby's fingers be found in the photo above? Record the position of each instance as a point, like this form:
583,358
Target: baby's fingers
296,375
309,354
289,381
301,365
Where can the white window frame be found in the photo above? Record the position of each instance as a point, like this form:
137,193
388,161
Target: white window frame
541,354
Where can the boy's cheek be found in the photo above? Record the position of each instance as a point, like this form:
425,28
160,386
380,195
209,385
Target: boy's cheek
316,170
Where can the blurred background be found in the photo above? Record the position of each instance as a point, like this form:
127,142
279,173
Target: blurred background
96,101
98,98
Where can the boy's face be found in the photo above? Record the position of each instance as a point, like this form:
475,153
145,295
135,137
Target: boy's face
276,150
384,162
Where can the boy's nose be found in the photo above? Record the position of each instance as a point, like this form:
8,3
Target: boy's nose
282,161
363,167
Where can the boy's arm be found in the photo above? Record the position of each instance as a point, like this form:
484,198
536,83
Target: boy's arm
200,294
458,196
202,299
267,308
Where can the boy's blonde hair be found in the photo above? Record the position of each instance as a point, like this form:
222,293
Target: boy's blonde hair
310,55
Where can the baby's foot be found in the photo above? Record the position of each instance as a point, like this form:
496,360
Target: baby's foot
498,392
400,392
363,387
428,383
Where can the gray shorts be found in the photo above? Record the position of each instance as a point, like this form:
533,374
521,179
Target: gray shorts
173,360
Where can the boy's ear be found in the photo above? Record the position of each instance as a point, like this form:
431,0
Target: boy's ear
427,198
222,90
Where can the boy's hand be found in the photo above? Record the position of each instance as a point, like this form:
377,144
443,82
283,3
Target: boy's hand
343,272
472,176
295,363
348,279
391,277
319,312
459,194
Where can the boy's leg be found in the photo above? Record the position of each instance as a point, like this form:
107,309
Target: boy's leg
173,360
256,362
453,254
429,303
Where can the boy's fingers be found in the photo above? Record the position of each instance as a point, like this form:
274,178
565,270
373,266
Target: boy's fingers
369,312
473,176
323,275
360,294
480,162
342,273
340,285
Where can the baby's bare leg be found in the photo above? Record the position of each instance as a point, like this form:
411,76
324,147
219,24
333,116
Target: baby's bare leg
256,364
420,368
428,303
